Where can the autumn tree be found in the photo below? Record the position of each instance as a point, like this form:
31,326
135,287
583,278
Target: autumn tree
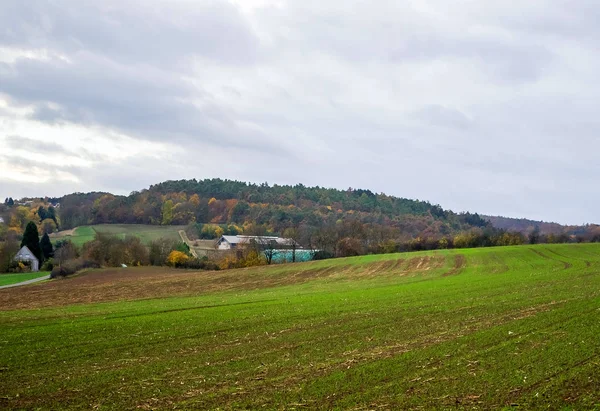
20,217
238,212
160,249
65,250
8,249
136,253
109,250
167,212
31,239
211,231
48,226
177,258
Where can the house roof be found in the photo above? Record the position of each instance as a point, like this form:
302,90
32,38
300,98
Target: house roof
25,251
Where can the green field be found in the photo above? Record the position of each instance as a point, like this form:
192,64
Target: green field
147,233
7,279
469,329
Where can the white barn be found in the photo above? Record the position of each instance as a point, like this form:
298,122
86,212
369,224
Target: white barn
26,255
231,242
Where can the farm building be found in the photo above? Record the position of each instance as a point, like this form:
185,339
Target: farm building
26,255
275,249
230,242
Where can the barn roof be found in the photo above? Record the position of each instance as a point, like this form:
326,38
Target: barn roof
244,239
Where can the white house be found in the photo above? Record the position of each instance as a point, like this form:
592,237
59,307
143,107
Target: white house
26,255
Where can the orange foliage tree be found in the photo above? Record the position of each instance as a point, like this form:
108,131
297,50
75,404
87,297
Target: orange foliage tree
177,258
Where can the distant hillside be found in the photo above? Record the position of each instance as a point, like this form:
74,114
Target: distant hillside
353,213
342,222
525,226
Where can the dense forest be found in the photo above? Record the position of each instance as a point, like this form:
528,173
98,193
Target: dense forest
275,208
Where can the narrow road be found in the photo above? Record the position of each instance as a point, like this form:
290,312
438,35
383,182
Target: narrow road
186,240
35,280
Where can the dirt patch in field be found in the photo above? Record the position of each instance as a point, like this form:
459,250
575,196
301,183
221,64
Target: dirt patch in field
63,233
117,284
424,263
382,267
459,262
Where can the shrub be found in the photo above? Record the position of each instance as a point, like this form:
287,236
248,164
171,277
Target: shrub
19,267
73,266
200,264
60,272
48,265
322,255
109,250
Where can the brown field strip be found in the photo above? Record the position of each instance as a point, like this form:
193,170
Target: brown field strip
117,284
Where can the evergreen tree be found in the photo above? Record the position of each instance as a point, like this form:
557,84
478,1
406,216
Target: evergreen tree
51,213
31,239
46,246
10,202
42,213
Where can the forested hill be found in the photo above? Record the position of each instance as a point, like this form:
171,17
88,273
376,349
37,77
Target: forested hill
273,208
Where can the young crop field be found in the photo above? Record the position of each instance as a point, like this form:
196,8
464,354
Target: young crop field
468,329
147,233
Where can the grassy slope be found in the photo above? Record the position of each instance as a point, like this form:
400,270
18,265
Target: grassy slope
147,233
7,279
466,328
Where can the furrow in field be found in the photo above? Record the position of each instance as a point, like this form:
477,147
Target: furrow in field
566,264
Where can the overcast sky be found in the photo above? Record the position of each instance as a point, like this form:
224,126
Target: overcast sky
486,106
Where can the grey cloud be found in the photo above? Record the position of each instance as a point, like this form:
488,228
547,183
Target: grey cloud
399,32
437,115
512,61
157,32
29,144
142,101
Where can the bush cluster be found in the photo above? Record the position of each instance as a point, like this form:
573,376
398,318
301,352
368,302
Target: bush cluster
200,264
72,266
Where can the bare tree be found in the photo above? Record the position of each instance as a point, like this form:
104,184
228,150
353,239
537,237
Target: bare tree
291,236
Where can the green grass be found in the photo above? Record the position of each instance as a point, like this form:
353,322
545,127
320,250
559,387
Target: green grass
483,328
8,279
147,233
